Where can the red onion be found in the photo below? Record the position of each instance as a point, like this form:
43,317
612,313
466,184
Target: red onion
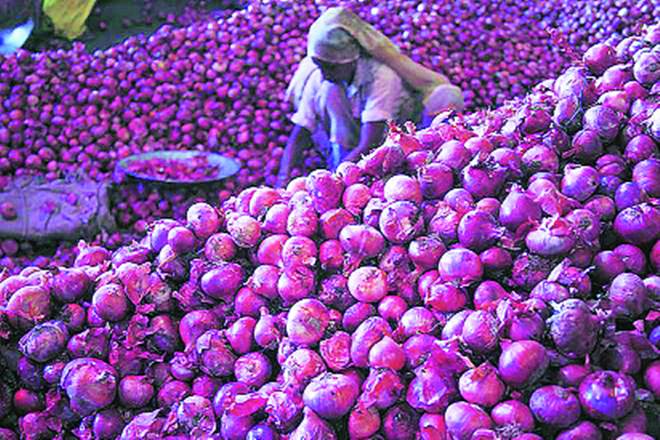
445,297
583,429
244,230
295,283
400,222
417,320
203,220
400,423
363,422
368,284
555,406
481,331
463,419
219,247
481,386
333,221
387,354
445,223
431,390
553,237
522,363
361,241
639,224
425,252
518,208
392,307
478,230
356,197
514,414
181,240
356,314
460,265
645,174
330,395
382,388
264,281
336,351
214,356
633,258
223,281
307,320
326,190
402,188
606,395
366,336
435,179
275,219
252,369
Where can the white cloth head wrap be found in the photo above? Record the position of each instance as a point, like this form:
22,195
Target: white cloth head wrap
439,94
333,45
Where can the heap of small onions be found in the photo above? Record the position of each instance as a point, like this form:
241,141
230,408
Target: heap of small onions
206,84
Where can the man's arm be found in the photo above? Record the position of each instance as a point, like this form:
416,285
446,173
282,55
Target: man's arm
299,139
372,134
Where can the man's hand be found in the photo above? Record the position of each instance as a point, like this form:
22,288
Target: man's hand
372,134
282,180
299,139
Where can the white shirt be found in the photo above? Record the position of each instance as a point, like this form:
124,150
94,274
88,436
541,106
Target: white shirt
376,94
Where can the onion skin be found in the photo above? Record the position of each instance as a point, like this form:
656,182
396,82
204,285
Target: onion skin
431,390
91,384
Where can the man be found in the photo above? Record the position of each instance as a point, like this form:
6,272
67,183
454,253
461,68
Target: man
351,83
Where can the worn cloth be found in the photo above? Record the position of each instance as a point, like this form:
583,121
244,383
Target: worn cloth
68,16
437,93
376,94
14,38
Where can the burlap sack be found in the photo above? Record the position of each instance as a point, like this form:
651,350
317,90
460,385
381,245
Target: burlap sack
59,210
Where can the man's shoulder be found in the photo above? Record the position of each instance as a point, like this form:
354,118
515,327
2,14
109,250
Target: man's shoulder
380,72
